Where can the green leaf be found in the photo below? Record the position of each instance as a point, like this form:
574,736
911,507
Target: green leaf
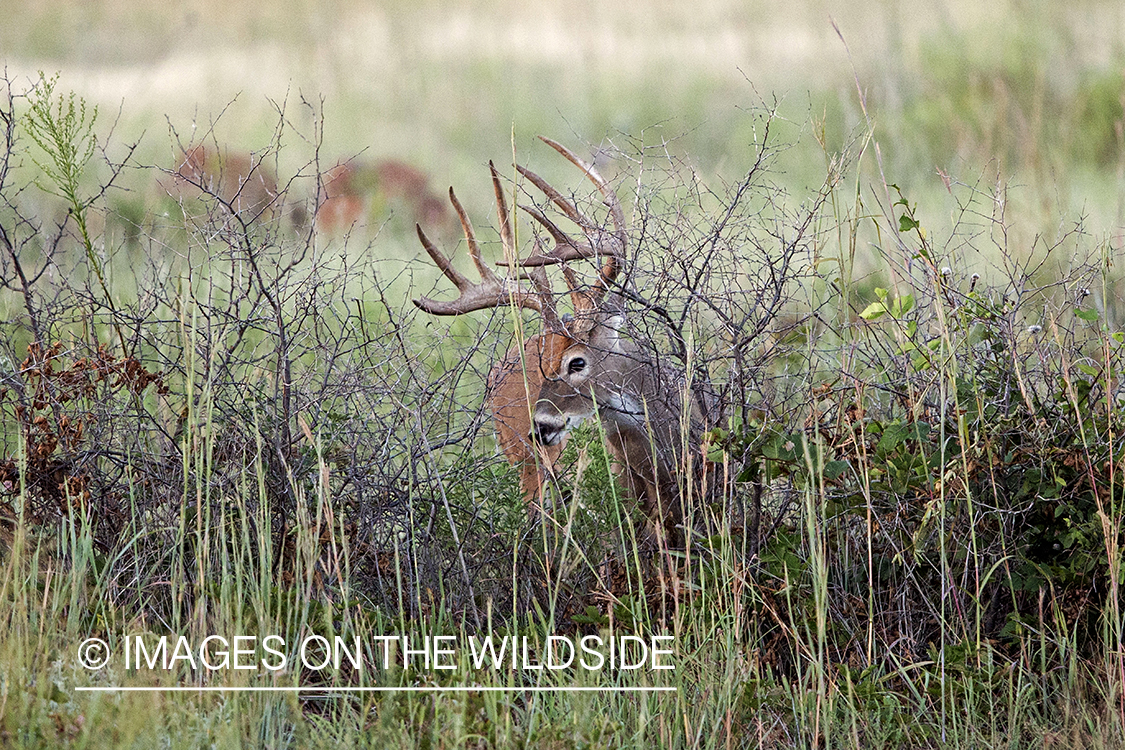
902,305
873,311
920,430
896,433
833,469
783,447
1090,315
893,436
1088,369
906,223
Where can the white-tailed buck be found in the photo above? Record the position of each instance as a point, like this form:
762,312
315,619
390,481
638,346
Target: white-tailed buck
579,365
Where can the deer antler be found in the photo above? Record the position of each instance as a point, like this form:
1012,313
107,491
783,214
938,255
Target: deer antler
515,382
492,290
601,243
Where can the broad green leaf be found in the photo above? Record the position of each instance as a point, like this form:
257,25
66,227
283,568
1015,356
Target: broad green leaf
902,305
893,435
873,311
1090,315
1088,369
833,469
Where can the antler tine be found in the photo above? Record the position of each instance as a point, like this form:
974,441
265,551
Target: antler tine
556,197
583,302
538,279
565,248
614,255
604,187
537,275
547,307
441,261
486,273
494,291
506,236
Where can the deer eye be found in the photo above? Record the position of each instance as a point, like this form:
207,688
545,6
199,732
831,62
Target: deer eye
577,365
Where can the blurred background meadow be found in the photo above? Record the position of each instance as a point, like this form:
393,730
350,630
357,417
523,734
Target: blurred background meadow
890,230
1024,94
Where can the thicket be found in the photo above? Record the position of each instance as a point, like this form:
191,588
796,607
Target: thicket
914,440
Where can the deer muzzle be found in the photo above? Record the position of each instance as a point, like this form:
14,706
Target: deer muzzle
548,431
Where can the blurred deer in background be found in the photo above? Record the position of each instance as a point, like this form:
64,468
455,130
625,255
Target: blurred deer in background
241,181
581,365
354,189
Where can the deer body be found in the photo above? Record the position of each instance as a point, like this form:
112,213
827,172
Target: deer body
513,387
641,416
240,180
354,188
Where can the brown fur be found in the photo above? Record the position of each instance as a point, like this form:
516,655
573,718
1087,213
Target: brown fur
353,188
581,366
511,396
240,180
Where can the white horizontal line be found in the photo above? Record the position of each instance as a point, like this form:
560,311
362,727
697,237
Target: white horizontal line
435,689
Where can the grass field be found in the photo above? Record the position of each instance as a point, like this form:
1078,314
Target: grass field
885,240
1025,92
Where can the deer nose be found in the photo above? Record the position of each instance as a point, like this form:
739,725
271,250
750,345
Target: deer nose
546,433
